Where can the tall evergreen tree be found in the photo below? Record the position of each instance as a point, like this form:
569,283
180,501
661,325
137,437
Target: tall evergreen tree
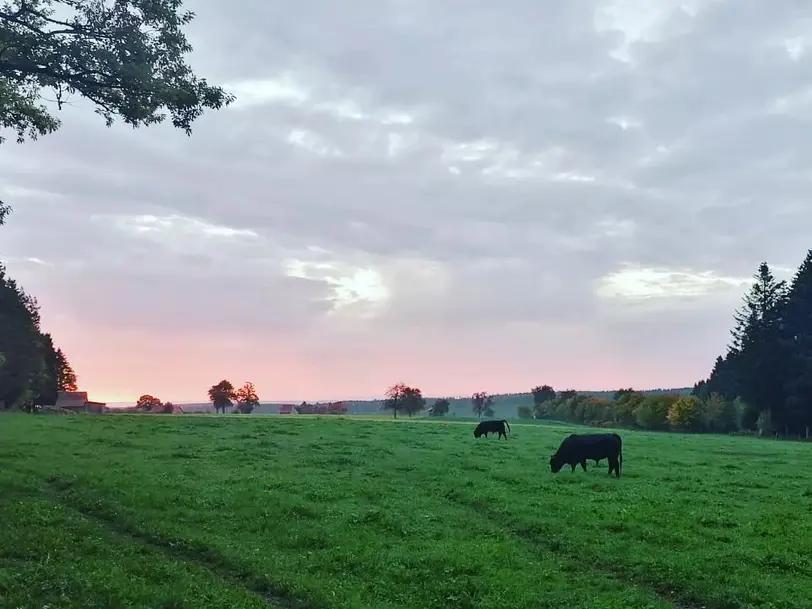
722,379
21,342
65,376
797,411
32,368
758,352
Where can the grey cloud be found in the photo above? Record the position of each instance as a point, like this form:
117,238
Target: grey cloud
533,79
196,301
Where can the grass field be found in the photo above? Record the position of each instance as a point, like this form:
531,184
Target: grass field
212,512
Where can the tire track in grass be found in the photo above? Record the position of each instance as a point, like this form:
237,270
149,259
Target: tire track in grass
497,529
544,541
235,575
179,550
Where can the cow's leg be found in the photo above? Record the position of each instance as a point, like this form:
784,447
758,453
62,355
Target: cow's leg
572,465
583,464
613,465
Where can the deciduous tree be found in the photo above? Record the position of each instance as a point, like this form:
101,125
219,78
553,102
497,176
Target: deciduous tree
395,397
148,403
222,395
440,407
684,413
541,394
413,401
481,403
247,398
652,411
127,57
524,412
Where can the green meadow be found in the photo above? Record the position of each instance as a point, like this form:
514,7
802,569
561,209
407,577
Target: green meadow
317,512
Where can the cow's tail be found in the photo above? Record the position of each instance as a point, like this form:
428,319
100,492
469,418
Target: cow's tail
620,451
506,424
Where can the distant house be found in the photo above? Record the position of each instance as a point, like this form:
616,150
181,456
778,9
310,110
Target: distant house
286,409
77,401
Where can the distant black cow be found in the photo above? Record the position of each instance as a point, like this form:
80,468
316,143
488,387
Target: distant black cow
577,448
486,427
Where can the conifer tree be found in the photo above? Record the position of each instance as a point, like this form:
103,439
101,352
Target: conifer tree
797,334
759,353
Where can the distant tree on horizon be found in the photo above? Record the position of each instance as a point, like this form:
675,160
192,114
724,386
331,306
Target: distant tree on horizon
222,395
413,401
395,397
440,407
621,392
542,393
148,403
482,404
247,398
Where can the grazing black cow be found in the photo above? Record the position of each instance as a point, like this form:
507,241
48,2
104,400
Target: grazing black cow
577,448
486,427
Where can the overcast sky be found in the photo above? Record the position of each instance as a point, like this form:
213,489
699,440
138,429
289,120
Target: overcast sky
462,195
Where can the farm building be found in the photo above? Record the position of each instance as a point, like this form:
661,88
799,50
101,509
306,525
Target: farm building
77,401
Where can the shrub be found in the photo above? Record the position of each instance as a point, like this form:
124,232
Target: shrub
525,412
652,413
625,408
685,413
337,408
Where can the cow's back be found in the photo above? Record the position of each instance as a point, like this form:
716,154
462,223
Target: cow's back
589,446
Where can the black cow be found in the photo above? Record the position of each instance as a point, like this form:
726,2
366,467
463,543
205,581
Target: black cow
577,448
486,427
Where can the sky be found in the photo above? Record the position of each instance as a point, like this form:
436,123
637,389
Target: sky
462,196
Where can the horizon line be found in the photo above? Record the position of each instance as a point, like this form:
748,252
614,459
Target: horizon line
377,399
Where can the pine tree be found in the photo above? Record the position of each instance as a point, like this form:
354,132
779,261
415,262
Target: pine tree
759,354
66,377
722,379
798,341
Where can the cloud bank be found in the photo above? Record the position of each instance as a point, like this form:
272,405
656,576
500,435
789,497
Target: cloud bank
462,196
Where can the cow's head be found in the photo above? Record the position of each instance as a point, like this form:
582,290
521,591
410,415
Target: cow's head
477,432
556,463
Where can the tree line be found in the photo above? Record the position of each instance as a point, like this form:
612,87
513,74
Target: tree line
404,399
223,396
637,410
32,368
767,365
761,384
